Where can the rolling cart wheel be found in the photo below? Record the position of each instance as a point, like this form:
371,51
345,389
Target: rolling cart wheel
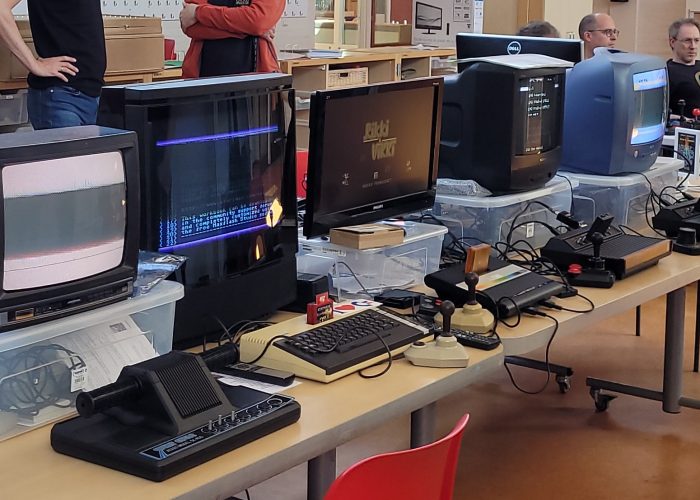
564,384
602,401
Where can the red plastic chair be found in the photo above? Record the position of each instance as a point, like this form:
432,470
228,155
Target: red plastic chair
425,473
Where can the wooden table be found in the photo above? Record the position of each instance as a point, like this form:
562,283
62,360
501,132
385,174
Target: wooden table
338,412
669,278
331,415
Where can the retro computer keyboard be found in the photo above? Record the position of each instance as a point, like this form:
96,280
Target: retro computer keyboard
333,349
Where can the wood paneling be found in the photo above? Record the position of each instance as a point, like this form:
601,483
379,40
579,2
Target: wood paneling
644,24
500,16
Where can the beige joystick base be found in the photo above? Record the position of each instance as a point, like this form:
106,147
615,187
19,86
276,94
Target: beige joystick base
472,318
445,352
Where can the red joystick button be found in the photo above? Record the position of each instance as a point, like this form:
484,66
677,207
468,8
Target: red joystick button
696,112
574,268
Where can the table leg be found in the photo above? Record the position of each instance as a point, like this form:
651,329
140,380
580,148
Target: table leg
423,425
670,397
696,346
673,351
320,475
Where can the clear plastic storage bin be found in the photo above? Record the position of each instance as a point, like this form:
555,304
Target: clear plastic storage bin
43,366
623,196
490,219
13,108
374,269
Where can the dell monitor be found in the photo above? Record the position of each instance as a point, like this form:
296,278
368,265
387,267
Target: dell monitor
428,17
501,124
69,224
372,153
615,113
217,170
473,45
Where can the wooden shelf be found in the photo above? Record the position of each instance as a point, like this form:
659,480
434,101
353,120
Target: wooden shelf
384,64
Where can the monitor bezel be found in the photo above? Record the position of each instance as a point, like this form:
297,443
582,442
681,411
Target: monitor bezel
319,225
65,143
425,26
463,38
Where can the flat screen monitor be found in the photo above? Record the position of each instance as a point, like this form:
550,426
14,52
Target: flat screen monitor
428,17
616,101
471,45
217,169
373,153
69,223
501,125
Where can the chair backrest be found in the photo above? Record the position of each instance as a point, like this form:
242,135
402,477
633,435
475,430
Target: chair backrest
425,473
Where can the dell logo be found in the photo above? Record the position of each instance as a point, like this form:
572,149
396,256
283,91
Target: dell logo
514,48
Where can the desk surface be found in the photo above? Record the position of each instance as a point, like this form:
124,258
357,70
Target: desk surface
331,414
671,273
329,417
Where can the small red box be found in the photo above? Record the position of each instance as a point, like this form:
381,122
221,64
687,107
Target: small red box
319,311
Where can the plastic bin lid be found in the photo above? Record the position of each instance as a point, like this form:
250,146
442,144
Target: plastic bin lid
662,166
415,231
163,293
557,185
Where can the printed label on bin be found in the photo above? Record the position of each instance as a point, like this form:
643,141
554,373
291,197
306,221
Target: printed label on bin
498,277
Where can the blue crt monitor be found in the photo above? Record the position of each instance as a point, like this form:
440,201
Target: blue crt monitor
614,113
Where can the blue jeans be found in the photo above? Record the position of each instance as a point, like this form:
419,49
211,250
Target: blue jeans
63,106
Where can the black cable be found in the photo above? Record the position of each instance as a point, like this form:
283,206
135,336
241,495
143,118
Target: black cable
39,376
523,212
554,305
267,346
546,354
388,361
571,189
686,160
352,273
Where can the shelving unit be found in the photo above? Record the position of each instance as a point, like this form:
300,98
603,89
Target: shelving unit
382,64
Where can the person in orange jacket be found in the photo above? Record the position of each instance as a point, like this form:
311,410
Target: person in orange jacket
230,36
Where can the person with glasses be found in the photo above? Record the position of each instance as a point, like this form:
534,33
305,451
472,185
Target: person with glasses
597,30
683,69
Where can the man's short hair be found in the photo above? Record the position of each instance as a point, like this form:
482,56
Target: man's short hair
676,26
588,23
539,28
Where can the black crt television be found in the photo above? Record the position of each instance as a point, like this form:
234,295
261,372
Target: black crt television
428,17
69,222
471,45
501,125
218,178
373,153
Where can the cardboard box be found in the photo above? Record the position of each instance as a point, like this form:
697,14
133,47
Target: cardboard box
437,22
133,45
367,236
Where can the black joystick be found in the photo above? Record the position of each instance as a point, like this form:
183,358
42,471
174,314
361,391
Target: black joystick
681,109
595,275
686,242
447,309
471,280
597,263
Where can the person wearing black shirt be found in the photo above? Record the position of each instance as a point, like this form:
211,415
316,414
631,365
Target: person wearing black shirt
683,69
66,79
